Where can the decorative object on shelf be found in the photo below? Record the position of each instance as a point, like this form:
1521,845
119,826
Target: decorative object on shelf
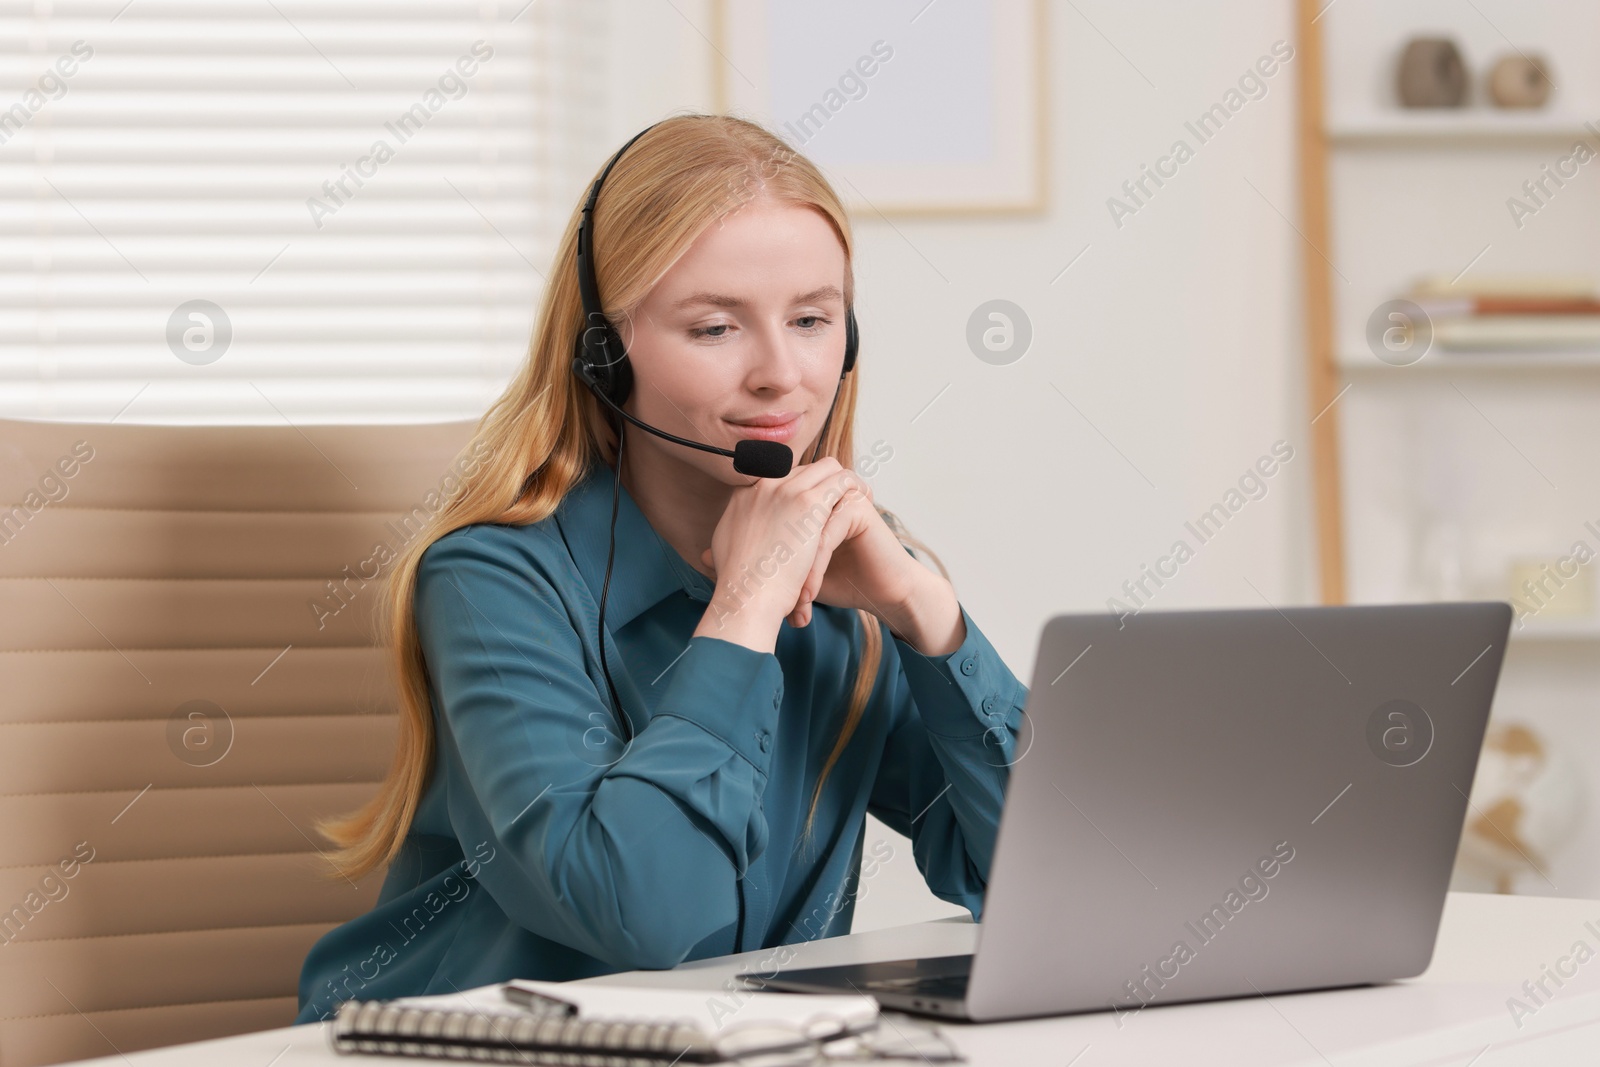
1560,588
1527,802
1431,74
1519,80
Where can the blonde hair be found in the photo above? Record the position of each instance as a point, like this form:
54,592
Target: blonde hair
546,430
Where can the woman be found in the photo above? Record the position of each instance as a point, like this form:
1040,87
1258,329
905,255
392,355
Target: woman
695,784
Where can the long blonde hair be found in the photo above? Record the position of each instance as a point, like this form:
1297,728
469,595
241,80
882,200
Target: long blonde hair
545,432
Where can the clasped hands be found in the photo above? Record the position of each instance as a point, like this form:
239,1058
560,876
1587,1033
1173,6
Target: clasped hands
819,521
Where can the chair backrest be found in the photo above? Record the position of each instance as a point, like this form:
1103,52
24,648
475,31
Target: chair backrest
189,675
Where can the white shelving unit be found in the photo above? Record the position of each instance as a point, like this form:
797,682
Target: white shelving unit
1472,458
1426,192
1465,125
1436,362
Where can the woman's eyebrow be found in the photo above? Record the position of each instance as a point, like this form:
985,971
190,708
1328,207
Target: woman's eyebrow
821,292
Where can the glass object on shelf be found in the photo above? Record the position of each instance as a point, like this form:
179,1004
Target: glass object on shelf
1440,490
1440,569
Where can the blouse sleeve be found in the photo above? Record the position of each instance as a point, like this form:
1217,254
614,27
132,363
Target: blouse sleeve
628,853
946,764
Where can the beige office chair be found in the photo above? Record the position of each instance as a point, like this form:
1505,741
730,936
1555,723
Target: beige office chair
188,677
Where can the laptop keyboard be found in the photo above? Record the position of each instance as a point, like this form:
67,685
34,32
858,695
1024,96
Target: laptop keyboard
954,985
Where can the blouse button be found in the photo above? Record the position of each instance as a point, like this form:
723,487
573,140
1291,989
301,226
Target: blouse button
777,699
969,665
765,740
988,703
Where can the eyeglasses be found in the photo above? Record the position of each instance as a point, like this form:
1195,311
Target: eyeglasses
826,1038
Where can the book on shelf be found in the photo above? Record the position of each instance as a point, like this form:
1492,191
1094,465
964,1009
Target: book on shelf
600,1025
1536,286
1506,304
1511,333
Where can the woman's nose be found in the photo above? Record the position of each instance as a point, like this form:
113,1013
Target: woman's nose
775,363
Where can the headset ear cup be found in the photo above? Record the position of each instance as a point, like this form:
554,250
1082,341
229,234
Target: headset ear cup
616,375
613,375
621,381
852,341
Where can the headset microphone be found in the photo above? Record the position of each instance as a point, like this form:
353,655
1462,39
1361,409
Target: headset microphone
753,456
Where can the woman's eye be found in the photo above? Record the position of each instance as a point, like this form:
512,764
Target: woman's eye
807,324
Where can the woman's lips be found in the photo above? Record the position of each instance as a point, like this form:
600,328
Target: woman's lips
782,431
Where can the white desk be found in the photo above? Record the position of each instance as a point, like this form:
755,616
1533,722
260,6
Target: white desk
1488,946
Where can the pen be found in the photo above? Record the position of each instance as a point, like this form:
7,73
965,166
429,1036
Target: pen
538,1003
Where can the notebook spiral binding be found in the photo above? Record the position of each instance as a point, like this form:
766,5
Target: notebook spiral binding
375,1026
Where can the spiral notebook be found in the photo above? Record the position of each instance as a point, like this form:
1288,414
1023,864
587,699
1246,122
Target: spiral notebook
595,1025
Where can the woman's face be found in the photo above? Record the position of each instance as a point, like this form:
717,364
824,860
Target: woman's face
747,325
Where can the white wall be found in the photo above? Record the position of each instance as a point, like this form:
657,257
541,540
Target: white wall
1177,335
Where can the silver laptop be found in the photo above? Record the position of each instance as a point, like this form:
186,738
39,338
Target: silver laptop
1211,804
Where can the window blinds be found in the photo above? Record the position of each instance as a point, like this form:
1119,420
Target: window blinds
256,211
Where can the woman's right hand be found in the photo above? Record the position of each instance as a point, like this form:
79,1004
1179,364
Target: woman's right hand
763,549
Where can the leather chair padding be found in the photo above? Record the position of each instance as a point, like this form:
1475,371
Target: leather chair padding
177,570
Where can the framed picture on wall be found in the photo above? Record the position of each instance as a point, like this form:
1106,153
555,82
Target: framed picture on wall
910,107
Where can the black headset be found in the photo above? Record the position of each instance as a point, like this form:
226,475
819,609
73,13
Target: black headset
600,361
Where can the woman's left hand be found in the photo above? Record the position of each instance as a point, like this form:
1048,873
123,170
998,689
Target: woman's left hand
860,563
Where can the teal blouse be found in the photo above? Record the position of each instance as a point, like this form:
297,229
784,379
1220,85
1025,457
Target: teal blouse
544,847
